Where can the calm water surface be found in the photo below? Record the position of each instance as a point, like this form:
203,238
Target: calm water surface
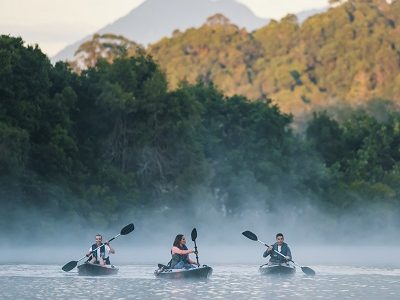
227,282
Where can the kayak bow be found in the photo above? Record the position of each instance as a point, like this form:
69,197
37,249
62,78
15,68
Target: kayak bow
198,272
89,269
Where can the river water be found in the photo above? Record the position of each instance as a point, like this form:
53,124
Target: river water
227,282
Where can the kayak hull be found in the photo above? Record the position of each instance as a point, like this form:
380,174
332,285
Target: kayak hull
89,269
203,272
277,269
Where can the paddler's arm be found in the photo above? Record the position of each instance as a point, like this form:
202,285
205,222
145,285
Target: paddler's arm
267,252
176,250
112,251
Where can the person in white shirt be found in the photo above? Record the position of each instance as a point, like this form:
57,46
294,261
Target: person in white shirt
99,252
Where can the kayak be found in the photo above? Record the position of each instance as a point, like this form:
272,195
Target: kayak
96,270
200,272
277,269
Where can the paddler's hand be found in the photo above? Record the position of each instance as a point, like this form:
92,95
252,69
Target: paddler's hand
287,257
111,248
191,251
269,249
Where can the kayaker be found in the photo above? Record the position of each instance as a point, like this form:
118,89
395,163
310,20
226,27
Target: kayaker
281,247
100,256
180,254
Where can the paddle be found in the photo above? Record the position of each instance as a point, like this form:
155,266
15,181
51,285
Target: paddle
253,237
124,231
161,266
194,237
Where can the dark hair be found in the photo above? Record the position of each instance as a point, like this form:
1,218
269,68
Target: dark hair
99,235
279,234
178,239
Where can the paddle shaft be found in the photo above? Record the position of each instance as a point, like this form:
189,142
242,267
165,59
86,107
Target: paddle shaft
195,251
253,237
278,252
101,246
72,264
124,231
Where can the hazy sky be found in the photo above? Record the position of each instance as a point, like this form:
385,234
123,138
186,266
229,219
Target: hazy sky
53,24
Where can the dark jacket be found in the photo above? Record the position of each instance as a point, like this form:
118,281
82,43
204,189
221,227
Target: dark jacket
275,257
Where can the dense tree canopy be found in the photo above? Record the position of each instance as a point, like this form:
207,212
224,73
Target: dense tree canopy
114,138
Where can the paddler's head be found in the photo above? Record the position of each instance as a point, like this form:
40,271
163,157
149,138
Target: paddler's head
279,238
99,239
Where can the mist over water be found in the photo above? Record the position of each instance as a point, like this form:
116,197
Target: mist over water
354,256
314,237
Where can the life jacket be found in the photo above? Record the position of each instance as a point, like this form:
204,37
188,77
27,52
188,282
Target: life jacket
275,257
103,253
176,258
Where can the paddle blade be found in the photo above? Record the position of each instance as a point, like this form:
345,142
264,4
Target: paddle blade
250,235
69,266
127,229
194,234
308,271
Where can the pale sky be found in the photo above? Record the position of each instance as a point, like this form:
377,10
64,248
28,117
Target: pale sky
54,24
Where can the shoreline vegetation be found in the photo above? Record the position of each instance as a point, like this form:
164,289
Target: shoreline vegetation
115,139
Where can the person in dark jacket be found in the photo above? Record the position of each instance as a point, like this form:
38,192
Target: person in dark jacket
281,247
180,254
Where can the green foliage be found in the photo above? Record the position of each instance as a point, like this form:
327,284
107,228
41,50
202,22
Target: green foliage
106,47
362,154
326,137
115,139
14,149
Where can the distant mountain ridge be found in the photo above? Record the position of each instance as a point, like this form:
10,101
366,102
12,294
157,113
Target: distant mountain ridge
155,19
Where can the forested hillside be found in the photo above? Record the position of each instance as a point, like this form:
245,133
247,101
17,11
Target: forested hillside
115,139
347,55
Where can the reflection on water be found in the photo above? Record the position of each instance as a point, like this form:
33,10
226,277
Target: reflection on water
227,282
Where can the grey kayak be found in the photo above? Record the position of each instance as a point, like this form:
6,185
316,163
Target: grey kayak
89,269
201,272
277,269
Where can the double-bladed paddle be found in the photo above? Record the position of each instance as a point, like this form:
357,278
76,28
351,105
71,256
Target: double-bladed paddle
253,237
124,231
194,237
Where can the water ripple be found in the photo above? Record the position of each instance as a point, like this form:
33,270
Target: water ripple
227,282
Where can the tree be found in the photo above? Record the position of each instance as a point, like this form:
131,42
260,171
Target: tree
326,137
